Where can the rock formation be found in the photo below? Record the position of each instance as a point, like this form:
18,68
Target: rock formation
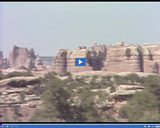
4,63
64,61
78,53
19,81
39,64
151,57
17,92
1,58
118,58
22,56
60,61
121,58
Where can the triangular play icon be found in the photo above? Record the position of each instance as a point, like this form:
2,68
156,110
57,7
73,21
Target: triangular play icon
80,61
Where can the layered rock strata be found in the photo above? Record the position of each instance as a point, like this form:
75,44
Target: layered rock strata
118,58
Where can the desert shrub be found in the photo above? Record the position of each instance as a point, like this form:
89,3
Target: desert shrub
105,83
57,106
54,73
42,80
89,110
107,78
152,84
67,74
128,79
144,106
110,98
38,91
50,75
119,80
150,116
40,116
96,86
64,74
132,78
80,79
109,118
93,80
138,106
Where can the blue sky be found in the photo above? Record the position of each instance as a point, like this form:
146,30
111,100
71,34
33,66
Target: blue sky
50,26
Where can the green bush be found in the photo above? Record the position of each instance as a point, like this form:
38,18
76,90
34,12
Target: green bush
67,74
138,105
119,80
93,80
80,80
106,78
57,106
133,78
142,106
40,116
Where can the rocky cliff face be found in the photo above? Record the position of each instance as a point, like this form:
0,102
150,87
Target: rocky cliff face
60,61
4,63
64,61
118,58
22,57
151,55
17,94
1,58
122,58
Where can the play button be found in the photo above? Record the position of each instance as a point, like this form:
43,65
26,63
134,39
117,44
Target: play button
80,61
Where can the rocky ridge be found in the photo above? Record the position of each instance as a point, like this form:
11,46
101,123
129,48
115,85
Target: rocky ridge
118,58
